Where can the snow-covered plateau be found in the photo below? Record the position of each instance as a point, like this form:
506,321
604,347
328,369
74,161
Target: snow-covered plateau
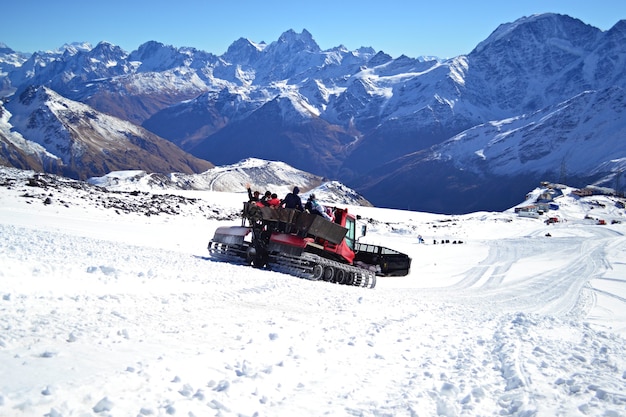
111,306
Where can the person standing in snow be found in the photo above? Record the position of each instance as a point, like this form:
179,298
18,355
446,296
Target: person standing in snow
293,201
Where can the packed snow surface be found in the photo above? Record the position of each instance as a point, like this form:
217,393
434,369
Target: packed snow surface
110,311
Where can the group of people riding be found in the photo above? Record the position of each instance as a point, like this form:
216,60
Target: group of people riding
291,201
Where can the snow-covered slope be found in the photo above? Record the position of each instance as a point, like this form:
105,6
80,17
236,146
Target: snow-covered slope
580,135
22,153
114,312
9,61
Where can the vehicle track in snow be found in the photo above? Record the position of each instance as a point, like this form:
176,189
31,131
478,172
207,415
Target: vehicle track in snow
563,290
521,305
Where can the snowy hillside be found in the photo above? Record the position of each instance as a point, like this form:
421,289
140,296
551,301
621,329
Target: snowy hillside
273,176
108,311
536,143
85,140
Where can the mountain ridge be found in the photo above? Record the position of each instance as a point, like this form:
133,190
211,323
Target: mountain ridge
349,115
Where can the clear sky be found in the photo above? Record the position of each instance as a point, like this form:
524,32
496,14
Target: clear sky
443,28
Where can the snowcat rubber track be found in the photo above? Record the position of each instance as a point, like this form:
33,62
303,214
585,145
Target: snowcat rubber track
313,267
224,252
307,266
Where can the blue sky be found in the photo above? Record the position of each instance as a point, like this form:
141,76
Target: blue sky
441,28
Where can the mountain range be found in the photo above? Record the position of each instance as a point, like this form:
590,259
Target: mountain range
542,98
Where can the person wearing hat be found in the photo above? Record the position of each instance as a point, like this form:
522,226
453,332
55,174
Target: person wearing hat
293,201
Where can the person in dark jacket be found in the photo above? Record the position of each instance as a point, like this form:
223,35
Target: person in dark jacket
293,201
265,199
253,197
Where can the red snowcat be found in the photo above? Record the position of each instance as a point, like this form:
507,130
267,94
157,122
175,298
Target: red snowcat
306,245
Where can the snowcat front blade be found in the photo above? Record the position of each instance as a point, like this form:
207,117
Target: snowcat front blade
390,261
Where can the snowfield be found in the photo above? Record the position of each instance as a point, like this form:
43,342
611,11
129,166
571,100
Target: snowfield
117,310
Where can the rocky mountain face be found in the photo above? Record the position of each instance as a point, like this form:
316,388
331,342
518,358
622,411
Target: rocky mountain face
395,129
577,141
74,140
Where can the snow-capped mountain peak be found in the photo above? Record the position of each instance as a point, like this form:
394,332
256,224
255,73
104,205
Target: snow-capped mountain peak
295,42
540,28
243,52
155,56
